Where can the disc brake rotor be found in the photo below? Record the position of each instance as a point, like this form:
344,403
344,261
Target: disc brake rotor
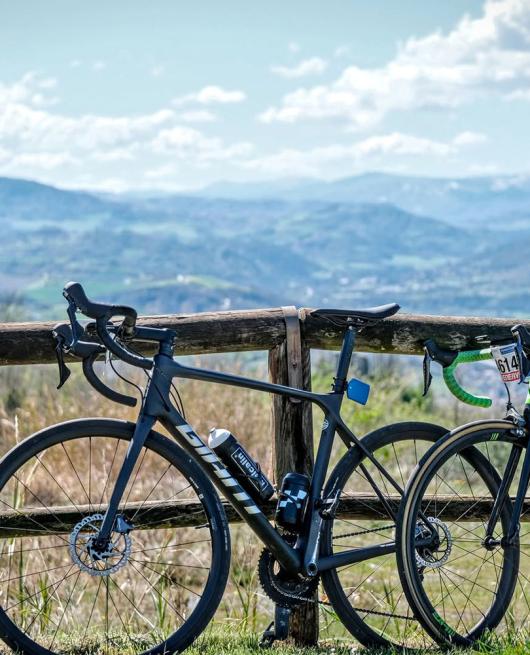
90,556
433,558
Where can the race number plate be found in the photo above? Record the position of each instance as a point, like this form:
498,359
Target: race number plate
506,359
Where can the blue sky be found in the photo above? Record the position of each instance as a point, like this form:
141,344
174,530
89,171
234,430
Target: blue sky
173,95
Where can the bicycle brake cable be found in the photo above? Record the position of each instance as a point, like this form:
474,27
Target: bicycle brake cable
130,382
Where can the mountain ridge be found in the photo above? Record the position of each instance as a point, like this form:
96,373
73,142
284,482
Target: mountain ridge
188,252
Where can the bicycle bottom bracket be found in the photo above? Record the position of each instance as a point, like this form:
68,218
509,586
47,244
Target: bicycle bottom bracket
435,554
93,557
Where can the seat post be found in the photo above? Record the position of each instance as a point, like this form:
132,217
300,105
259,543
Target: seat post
348,343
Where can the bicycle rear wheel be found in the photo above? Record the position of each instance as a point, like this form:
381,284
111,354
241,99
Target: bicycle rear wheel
153,590
368,597
461,587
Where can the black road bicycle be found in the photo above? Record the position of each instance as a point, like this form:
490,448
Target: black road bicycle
145,566
474,576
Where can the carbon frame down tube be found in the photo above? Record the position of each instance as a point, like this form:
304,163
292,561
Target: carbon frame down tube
245,506
157,407
330,405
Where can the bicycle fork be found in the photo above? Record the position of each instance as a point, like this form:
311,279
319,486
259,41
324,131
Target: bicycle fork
502,495
143,427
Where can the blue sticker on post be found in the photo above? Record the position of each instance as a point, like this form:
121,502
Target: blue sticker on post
358,391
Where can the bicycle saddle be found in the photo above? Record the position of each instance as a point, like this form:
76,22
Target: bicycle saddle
370,314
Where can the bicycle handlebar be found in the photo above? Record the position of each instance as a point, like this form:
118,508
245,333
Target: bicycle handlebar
89,351
449,360
466,357
74,291
103,313
98,385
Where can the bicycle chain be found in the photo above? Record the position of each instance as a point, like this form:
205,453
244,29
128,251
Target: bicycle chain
303,599
362,610
356,534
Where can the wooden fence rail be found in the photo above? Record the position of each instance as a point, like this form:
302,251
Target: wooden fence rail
155,515
288,335
263,329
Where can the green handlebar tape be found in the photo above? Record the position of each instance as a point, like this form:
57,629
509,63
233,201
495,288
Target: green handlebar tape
466,357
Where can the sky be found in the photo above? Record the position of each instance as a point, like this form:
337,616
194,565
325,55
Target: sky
173,95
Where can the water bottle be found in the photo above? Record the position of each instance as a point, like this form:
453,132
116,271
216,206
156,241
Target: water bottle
292,501
240,463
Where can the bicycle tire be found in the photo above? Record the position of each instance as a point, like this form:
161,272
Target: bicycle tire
370,623
470,615
69,438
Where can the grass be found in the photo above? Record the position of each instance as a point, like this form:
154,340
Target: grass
224,641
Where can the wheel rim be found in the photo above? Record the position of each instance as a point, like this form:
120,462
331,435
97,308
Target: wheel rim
369,595
49,596
468,593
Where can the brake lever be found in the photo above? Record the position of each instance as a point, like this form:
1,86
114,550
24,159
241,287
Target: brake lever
59,336
77,329
427,376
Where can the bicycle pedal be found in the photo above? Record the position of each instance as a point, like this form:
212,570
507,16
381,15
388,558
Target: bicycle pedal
268,637
278,629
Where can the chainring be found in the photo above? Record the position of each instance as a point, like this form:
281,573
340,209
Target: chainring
283,590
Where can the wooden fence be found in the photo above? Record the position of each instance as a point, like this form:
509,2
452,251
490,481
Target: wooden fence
288,335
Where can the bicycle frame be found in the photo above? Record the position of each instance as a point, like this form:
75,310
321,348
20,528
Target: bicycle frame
303,557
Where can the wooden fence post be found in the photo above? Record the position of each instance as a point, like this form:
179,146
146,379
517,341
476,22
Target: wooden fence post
290,364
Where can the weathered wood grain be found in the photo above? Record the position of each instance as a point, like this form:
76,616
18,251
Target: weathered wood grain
293,451
263,329
183,514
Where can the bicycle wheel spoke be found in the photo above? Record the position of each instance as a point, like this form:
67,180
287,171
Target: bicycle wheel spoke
372,588
131,592
470,580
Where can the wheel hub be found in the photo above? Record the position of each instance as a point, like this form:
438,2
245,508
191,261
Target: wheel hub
96,557
435,554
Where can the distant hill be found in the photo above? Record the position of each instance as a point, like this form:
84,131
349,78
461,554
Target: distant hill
474,200
347,243
29,201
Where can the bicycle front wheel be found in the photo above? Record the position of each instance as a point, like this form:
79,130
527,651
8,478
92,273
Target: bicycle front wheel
368,597
159,581
460,585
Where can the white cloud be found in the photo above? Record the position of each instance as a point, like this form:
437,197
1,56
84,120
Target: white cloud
469,139
34,138
43,160
99,65
157,71
294,47
197,116
342,51
165,170
328,161
75,63
480,57
209,95
312,66
182,142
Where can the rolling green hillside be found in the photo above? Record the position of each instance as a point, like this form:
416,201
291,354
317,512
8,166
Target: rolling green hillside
171,253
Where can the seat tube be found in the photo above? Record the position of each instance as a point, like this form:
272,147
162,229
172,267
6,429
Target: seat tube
348,345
